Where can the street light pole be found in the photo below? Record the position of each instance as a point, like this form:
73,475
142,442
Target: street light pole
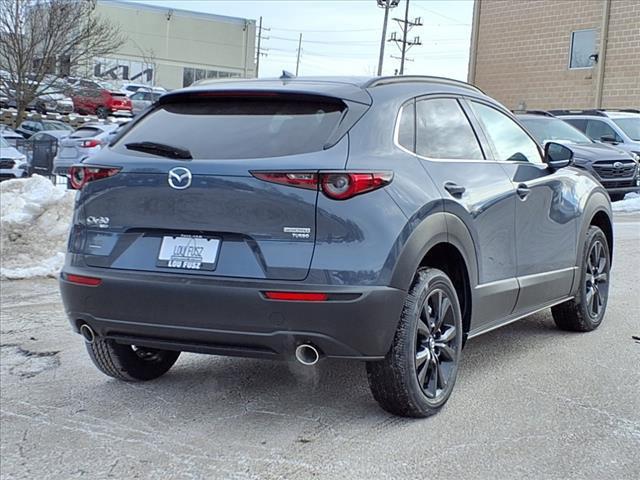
386,4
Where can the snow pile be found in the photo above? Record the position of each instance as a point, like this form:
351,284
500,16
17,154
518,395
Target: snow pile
35,216
631,203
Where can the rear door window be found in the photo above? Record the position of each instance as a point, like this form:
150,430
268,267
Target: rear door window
443,131
239,127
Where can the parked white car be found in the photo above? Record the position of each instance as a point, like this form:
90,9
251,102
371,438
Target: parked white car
13,164
85,142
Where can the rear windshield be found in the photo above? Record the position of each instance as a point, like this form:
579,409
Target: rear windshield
236,128
85,132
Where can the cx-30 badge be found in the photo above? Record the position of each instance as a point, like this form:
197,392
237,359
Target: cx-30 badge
179,178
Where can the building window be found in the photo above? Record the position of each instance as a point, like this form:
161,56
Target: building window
583,47
190,75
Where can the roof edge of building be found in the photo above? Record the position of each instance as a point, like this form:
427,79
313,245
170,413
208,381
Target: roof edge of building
177,11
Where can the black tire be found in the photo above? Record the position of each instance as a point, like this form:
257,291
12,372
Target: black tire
130,363
586,311
616,197
425,344
102,112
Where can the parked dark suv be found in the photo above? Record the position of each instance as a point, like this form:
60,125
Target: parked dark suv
385,220
616,169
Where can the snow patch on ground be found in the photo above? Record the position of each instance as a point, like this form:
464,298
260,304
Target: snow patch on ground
631,203
35,216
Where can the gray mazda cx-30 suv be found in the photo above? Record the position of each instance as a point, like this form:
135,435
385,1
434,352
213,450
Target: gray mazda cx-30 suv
386,220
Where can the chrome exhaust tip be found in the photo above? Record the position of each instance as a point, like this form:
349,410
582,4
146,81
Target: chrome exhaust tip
307,354
87,332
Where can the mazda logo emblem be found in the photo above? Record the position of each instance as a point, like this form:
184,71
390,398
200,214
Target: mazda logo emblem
618,165
179,178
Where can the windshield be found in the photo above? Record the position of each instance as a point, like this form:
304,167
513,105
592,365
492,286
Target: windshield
4,143
547,129
630,126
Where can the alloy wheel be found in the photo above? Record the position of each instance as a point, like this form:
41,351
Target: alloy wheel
436,344
597,278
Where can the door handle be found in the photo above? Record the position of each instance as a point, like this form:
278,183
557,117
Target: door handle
523,191
454,189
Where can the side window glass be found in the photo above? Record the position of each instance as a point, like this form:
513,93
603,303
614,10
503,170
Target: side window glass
596,129
407,127
509,140
578,123
443,131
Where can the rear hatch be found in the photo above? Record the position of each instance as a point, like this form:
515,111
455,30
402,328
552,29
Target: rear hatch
119,101
77,146
209,215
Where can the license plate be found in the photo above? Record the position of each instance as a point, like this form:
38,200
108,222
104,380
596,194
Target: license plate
188,252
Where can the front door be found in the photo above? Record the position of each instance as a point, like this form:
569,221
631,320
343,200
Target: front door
546,211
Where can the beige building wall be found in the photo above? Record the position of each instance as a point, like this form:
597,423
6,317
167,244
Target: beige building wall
172,40
520,53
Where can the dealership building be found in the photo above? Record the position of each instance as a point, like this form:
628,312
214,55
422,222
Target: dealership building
174,48
543,54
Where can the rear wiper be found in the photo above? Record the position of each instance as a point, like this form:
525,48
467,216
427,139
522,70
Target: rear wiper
160,149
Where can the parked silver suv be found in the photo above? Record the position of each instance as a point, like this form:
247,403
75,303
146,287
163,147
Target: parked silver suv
615,127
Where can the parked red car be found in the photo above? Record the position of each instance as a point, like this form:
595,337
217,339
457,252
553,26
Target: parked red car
101,102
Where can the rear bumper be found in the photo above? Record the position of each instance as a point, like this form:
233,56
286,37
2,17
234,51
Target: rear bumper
189,313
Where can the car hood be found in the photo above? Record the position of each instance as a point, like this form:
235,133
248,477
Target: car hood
12,154
591,152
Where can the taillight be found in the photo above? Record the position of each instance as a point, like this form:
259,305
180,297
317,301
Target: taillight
341,186
80,176
90,143
335,185
308,180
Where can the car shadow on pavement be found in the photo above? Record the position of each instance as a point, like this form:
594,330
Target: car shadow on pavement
225,386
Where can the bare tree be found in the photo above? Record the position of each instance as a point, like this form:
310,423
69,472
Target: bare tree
44,40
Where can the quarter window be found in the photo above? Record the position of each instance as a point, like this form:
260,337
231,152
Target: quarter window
509,140
407,127
443,131
583,46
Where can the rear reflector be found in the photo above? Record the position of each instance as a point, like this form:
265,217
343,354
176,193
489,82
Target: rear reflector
297,296
81,280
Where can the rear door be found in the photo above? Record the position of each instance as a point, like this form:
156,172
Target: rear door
479,192
546,210
250,228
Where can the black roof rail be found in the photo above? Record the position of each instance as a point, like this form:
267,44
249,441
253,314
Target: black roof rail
592,111
627,110
378,81
533,112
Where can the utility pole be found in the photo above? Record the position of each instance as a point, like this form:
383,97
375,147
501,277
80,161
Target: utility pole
386,4
405,25
259,50
298,59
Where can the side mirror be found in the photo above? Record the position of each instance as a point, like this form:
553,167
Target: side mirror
557,155
608,139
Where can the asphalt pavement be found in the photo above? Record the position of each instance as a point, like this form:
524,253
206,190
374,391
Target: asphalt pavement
530,402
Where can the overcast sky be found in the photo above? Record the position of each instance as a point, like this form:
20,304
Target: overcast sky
342,37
